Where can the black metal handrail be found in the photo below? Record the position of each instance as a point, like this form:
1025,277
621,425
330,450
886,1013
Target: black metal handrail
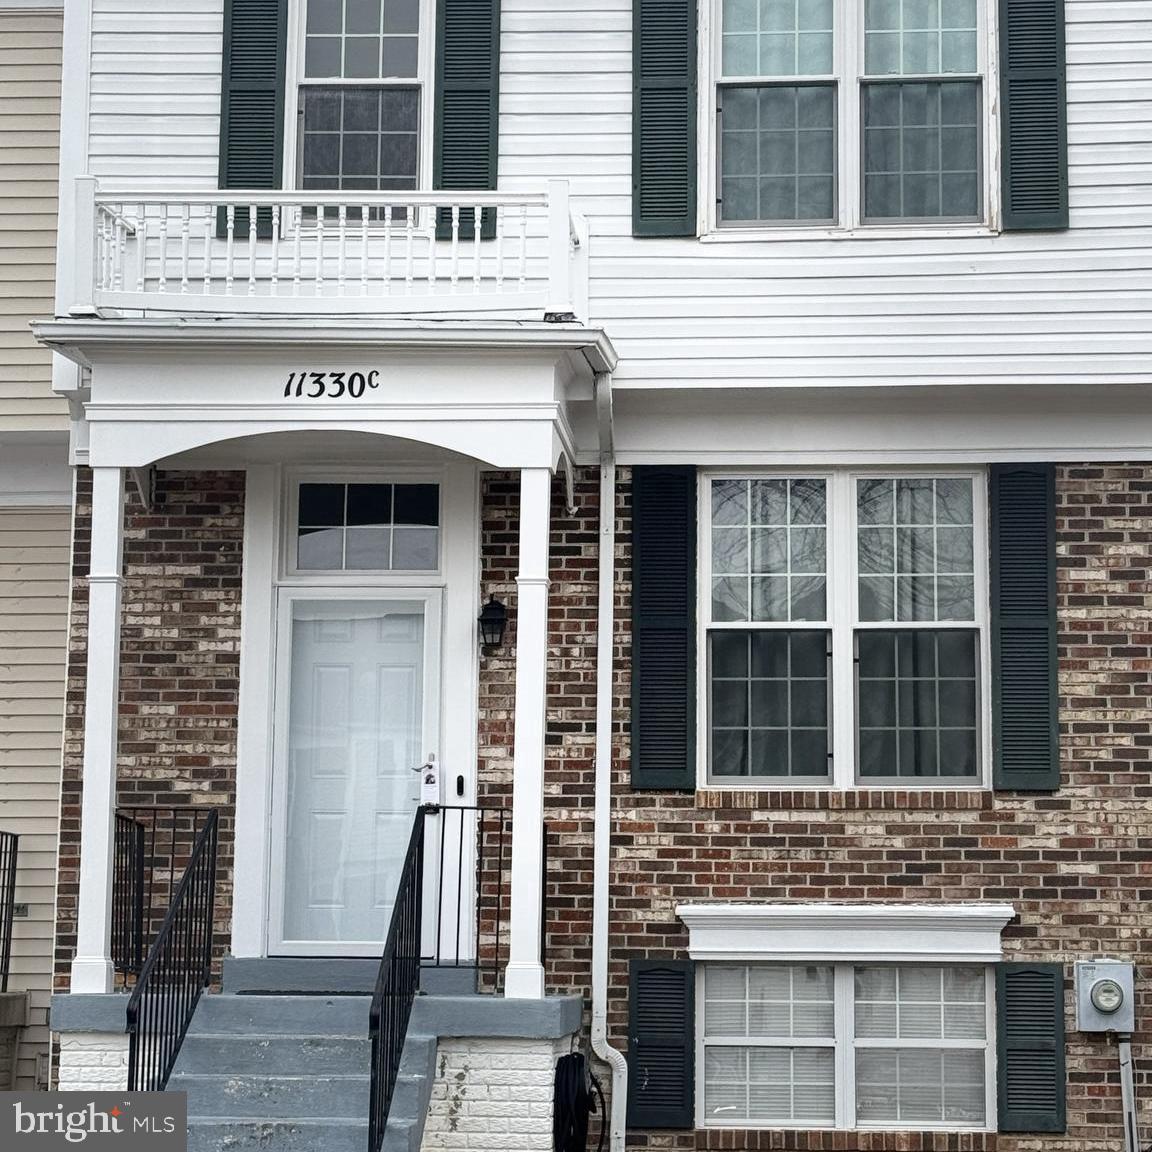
9,848
396,984
176,971
470,844
152,847
128,895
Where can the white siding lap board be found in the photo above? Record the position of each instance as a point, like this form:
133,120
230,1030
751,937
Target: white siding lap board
1048,308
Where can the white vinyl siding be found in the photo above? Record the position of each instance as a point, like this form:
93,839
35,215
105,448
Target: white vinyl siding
34,558
1047,308
30,47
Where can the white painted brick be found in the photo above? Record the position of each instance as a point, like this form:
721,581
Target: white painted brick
93,1061
492,1095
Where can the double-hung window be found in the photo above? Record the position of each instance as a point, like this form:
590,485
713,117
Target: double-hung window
363,94
844,619
854,113
846,1046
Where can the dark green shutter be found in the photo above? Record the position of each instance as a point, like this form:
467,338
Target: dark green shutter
252,101
1030,1047
1034,114
467,136
1025,702
664,117
661,1044
663,627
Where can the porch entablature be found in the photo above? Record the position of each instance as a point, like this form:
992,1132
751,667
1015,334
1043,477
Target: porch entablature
502,394
474,254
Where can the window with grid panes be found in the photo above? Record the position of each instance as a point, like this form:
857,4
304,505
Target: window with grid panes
361,95
879,102
768,643
845,1046
367,527
879,683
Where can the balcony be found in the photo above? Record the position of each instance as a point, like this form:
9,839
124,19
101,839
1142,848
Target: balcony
506,255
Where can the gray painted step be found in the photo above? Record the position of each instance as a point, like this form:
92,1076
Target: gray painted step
230,1134
284,975
335,1097
273,1055
413,1092
285,1015
287,975
402,1135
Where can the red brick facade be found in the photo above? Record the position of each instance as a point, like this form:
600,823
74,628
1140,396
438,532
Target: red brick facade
1076,864
180,670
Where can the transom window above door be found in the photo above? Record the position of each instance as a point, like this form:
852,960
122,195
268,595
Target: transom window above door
367,527
362,94
846,113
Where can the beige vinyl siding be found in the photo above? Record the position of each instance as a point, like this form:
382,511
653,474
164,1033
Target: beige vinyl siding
34,557
30,55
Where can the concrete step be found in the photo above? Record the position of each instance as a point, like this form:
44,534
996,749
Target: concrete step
283,1015
273,1055
409,1108
289,974
328,1097
240,1134
402,1135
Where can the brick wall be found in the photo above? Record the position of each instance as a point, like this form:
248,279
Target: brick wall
1077,864
179,677
492,1095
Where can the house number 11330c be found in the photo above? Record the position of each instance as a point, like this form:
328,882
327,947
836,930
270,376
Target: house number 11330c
333,385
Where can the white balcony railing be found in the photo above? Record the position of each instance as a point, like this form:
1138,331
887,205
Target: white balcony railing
409,253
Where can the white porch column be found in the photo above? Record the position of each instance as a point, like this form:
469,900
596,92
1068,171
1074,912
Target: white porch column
524,976
92,967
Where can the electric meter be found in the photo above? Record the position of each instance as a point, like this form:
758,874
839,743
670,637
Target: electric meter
1104,996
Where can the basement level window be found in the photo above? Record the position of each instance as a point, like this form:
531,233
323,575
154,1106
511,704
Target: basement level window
368,528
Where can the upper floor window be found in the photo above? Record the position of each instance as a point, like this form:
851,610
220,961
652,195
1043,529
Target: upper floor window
844,621
363,80
866,112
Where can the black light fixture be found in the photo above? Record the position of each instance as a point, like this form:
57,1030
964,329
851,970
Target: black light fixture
492,620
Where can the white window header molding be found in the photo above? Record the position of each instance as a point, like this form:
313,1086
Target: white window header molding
903,933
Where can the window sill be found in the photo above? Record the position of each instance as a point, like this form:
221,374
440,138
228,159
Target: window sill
826,1140
976,798
716,235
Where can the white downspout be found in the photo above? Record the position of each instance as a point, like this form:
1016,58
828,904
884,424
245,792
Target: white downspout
605,630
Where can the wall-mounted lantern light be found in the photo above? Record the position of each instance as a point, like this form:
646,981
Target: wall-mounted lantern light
492,620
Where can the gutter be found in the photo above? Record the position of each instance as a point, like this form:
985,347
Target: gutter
605,629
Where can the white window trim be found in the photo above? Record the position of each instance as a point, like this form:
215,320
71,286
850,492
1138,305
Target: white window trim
848,936
848,56
294,80
842,622
341,577
847,933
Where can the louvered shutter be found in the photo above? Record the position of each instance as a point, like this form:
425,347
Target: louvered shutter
663,627
661,1044
252,101
1034,114
664,117
1030,1047
467,136
1025,703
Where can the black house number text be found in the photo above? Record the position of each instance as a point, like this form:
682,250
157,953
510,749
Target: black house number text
334,385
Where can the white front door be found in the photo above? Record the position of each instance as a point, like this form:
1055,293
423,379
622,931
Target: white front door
358,691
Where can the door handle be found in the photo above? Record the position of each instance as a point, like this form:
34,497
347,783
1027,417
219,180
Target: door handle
459,785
